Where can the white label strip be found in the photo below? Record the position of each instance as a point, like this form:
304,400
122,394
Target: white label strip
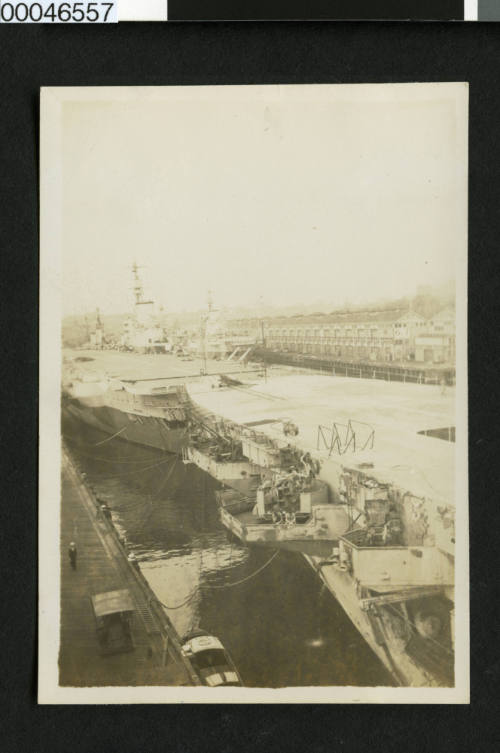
143,10
470,10
58,12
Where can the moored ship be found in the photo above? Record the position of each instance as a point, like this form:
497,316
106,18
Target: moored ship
146,411
216,341
140,411
142,332
374,514
212,342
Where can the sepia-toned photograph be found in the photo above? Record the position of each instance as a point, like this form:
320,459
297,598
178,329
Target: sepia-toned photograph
253,394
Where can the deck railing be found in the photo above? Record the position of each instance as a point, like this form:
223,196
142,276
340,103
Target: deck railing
378,565
335,439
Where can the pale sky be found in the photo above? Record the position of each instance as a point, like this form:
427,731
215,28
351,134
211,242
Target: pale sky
284,194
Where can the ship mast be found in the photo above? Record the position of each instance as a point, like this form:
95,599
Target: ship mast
137,287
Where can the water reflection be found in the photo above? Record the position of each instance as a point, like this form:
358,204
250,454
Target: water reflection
282,627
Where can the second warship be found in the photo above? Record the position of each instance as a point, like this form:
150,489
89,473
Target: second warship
357,477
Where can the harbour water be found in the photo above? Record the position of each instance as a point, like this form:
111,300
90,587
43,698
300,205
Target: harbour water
279,624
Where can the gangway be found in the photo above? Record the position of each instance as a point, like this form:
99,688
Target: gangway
247,351
235,351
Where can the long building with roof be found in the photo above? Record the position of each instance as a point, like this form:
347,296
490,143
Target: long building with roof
376,335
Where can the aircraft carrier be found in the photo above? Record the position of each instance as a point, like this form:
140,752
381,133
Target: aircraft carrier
357,476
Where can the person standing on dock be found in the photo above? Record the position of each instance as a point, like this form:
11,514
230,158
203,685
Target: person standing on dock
106,512
72,554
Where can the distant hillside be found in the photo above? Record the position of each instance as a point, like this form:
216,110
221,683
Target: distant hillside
76,329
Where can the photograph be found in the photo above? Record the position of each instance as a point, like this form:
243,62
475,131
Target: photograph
253,394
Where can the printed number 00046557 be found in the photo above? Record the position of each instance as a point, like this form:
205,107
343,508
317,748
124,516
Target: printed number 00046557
46,11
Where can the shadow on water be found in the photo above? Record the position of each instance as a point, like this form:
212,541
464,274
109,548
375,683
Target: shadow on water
282,627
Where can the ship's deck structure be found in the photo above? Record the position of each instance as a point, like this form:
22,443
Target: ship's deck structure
136,397
141,367
393,444
395,413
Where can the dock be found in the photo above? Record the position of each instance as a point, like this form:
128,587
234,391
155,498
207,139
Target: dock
103,565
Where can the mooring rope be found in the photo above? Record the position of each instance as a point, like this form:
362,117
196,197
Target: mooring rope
225,585
167,477
155,497
128,473
108,439
102,459
248,577
177,606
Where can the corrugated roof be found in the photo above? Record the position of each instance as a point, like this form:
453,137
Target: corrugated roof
342,317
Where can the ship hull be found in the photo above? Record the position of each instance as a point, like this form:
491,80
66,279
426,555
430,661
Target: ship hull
412,660
391,648
149,431
241,476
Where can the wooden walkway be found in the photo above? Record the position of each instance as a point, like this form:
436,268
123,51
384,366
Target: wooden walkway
102,565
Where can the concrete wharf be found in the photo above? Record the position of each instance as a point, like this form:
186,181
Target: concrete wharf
102,565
